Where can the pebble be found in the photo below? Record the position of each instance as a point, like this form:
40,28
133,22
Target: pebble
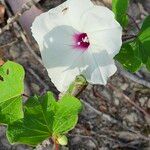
142,101
131,117
103,148
14,52
124,86
2,130
116,102
90,144
35,87
5,143
148,104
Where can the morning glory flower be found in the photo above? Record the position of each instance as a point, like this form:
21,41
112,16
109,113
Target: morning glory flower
78,37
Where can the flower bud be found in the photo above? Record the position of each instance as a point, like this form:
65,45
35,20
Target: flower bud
62,140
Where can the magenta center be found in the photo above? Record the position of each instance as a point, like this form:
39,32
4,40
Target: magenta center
81,41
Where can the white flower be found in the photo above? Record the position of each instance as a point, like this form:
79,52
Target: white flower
75,38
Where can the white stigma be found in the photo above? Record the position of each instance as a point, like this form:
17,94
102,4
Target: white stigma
85,40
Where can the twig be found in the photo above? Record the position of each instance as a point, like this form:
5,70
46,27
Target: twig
38,78
103,115
129,100
29,47
14,18
9,44
84,137
134,21
19,33
132,76
108,118
97,94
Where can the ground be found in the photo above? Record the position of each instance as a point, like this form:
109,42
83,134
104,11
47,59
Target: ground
114,117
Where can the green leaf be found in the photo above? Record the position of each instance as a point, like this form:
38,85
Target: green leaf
44,118
146,24
137,52
11,88
120,7
144,34
128,59
11,110
35,127
144,39
77,85
11,81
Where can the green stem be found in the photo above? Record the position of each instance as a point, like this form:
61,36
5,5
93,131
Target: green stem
77,87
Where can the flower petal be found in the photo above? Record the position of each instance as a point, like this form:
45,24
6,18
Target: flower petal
109,39
47,21
105,30
99,18
76,10
100,66
106,72
58,56
62,77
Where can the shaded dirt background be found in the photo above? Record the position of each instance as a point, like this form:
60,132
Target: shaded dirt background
110,120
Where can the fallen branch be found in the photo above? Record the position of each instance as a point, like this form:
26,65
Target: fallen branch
9,44
108,118
132,77
20,33
134,21
38,79
14,18
129,100
104,116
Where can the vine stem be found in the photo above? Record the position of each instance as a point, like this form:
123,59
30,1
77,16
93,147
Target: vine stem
56,145
1,62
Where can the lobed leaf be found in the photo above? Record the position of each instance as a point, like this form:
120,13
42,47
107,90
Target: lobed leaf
135,53
66,115
128,59
44,118
11,110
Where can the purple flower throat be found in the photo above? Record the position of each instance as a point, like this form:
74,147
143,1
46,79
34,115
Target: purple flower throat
81,41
